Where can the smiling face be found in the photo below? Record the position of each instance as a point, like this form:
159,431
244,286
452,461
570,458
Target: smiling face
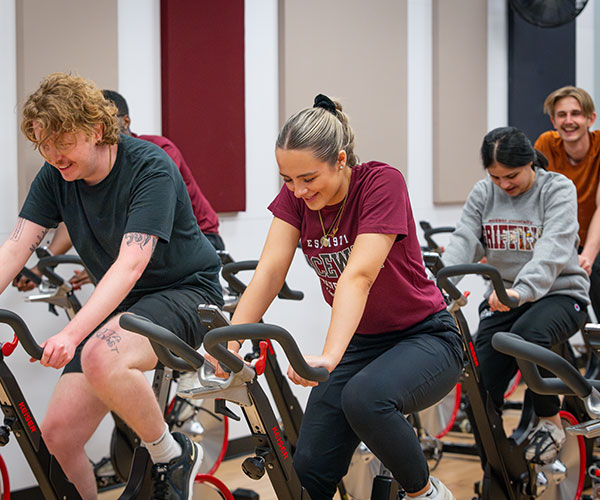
317,182
570,121
73,154
512,180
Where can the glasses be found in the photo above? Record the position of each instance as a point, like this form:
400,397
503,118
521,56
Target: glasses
51,148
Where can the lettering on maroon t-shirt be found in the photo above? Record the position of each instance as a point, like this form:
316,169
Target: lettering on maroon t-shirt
377,203
330,265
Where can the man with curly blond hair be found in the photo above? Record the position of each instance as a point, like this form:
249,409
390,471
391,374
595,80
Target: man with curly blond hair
127,211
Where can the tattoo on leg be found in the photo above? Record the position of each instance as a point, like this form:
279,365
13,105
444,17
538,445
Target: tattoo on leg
39,239
140,239
111,337
16,234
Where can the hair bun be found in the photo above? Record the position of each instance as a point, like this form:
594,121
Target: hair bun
322,101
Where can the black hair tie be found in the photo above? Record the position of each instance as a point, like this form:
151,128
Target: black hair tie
322,101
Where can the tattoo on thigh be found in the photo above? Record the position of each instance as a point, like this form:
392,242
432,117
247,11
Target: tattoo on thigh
140,239
111,338
16,234
38,240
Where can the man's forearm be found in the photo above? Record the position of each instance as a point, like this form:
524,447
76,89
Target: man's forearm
592,241
116,284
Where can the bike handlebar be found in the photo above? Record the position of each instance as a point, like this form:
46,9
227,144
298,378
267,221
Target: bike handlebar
30,275
22,332
46,266
528,355
258,331
212,340
230,270
444,275
164,343
429,232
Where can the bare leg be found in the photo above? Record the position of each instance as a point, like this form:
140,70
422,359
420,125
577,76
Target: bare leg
73,415
113,362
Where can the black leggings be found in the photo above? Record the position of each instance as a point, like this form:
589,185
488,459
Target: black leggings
379,380
547,322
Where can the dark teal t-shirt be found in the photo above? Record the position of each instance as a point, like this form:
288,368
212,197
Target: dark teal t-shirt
143,193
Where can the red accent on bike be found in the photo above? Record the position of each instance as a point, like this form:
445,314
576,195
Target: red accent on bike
9,347
582,460
207,478
472,349
280,443
260,363
5,481
27,416
454,413
514,386
466,294
221,456
270,344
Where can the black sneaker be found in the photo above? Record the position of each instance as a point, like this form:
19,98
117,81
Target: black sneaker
175,480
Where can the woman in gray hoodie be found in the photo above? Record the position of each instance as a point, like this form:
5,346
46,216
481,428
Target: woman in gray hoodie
523,219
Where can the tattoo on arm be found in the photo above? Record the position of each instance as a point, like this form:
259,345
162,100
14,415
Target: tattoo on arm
16,234
39,239
111,337
140,239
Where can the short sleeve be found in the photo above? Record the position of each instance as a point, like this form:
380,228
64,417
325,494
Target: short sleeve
41,205
287,208
384,203
152,206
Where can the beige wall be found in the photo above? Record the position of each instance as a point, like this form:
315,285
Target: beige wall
51,37
355,51
459,96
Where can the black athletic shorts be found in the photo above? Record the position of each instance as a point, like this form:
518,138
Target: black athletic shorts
174,309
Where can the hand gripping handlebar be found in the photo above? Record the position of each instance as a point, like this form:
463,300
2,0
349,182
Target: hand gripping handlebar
22,332
259,331
192,360
444,275
46,266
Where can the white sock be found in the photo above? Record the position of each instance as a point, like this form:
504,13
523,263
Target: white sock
428,494
164,449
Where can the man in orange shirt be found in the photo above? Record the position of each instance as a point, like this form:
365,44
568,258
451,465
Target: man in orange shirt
573,150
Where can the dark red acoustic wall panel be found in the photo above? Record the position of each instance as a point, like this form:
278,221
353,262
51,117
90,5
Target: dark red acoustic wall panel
203,94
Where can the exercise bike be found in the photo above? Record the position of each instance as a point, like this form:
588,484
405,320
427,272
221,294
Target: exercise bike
242,388
21,423
364,466
507,475
198,421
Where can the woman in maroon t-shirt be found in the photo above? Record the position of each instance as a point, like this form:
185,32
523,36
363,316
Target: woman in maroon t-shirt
391,347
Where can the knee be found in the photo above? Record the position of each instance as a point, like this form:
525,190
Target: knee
361,398
96,366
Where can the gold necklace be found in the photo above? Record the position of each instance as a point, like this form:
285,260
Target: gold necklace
334,225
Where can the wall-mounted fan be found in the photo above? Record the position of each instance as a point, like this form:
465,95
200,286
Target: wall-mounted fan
548,13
